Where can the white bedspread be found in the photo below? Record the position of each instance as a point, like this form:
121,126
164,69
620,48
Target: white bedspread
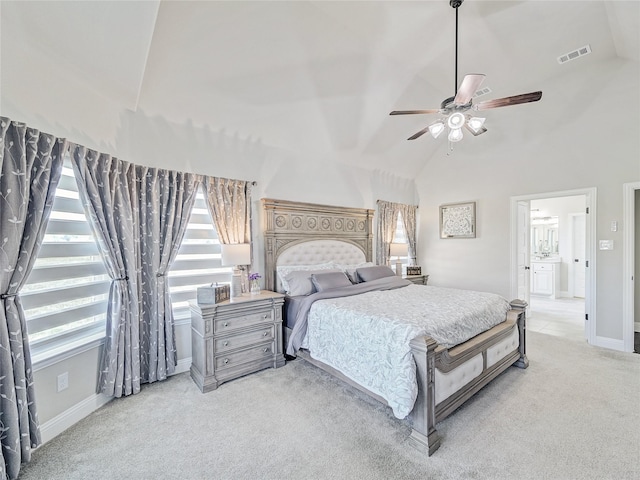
367,336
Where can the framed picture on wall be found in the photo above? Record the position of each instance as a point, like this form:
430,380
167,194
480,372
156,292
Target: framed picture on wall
458,220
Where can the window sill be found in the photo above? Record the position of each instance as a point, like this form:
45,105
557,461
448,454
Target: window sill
52,354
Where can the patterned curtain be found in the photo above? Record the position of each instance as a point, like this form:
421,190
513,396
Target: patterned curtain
165,199
387,221
229,203
30,168
107,189
409,214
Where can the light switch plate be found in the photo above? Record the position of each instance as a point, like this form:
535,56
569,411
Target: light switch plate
606,244
614,226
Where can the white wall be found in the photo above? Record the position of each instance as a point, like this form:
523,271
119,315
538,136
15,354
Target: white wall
584,148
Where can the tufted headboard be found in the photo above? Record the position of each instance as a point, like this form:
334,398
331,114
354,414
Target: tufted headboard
298,233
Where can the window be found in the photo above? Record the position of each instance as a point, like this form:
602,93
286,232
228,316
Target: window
65,297
399,236
198,261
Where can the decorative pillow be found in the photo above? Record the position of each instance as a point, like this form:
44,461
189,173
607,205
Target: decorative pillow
367,274
299,281
350,270
329,280
284,270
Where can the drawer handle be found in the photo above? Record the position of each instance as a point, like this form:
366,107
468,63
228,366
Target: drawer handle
225,324
225,361
265,334
265,349
225,343
265,315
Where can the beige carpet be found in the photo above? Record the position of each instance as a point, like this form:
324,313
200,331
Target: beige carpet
573,414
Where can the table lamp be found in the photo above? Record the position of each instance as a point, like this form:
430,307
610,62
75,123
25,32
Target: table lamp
234,256
398,250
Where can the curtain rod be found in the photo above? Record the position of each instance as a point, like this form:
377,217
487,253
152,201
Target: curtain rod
387,201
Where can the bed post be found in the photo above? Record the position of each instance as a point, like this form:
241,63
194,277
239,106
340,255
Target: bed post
521,307
423,415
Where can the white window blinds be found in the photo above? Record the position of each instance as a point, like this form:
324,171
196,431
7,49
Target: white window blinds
66,294
198,262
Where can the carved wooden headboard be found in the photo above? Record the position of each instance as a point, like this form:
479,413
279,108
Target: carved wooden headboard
287,224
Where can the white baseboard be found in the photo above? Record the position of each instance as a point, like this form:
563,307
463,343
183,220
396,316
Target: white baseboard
73,415
610,343
183,365
80,410
636,327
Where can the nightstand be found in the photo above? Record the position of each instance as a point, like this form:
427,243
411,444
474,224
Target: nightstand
417,279
235,337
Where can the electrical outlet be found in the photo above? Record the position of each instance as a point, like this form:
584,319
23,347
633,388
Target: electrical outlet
63,381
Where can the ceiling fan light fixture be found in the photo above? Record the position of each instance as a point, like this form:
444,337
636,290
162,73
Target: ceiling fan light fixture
475,124
435,129
456,120
455,135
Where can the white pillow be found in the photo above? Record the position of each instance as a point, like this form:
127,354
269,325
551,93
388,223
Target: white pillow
284,270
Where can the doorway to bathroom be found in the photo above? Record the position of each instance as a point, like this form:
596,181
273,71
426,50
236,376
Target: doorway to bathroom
552,245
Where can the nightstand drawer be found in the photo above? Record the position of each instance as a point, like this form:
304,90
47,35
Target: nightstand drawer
230,342
232,323
244,356
417,279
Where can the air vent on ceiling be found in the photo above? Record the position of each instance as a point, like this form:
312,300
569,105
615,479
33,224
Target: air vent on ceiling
580,52
482,91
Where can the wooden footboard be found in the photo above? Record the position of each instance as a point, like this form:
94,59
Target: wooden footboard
495,350
491,349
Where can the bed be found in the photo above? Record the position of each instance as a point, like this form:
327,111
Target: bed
312,243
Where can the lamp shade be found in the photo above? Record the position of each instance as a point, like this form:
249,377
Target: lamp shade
237,254
399,249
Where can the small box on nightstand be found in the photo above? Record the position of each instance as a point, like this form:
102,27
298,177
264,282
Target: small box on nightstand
414,270
213,294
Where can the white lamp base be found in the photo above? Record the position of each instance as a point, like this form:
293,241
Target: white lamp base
399,268
236,284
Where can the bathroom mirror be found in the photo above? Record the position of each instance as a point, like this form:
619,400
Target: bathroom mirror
544,236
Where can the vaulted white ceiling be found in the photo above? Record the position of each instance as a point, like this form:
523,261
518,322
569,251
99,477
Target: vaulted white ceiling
318,77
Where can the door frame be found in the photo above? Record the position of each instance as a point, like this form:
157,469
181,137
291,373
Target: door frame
571,270
590,249
628,264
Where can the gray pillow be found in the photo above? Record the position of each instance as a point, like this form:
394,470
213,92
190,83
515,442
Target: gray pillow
366,274
300,283
328,280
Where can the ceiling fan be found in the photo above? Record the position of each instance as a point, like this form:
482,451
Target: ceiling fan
455,109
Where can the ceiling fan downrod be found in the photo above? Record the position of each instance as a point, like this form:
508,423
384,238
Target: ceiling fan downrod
455,4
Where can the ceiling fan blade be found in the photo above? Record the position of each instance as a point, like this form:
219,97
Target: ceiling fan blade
418,134
506,101
412,112
470,83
